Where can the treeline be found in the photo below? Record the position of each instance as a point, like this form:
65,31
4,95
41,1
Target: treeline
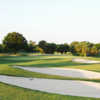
15,42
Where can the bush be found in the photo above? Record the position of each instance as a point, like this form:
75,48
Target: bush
69,54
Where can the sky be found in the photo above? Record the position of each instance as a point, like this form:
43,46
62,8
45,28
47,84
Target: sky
59,21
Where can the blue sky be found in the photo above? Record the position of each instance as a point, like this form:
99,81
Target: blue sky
57,21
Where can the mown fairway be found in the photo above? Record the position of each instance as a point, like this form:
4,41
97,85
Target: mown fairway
48,61
6,63
16,93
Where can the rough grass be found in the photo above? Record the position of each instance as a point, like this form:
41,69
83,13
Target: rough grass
8,92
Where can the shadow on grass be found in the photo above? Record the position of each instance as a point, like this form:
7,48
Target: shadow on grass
10,59
44,62
23,59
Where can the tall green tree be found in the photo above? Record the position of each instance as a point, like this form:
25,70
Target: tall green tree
32,46
50,48
43,44
84,48
94,51
63,48
75,47
1,48
97,46
15,42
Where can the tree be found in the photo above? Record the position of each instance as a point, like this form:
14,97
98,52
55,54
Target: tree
63,48
94,51
40,50
75,48
42,44
15,42
97,46
50,48
32,46
84,48
1,48
81,48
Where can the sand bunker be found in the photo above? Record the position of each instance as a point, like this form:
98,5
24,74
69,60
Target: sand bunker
78,60
65,87
68,72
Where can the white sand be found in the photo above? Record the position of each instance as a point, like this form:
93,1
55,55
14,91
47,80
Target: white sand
78,60
68,72
65,87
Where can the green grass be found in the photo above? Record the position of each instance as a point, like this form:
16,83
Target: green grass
40,61
62,61
9,71
16,93
8,92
